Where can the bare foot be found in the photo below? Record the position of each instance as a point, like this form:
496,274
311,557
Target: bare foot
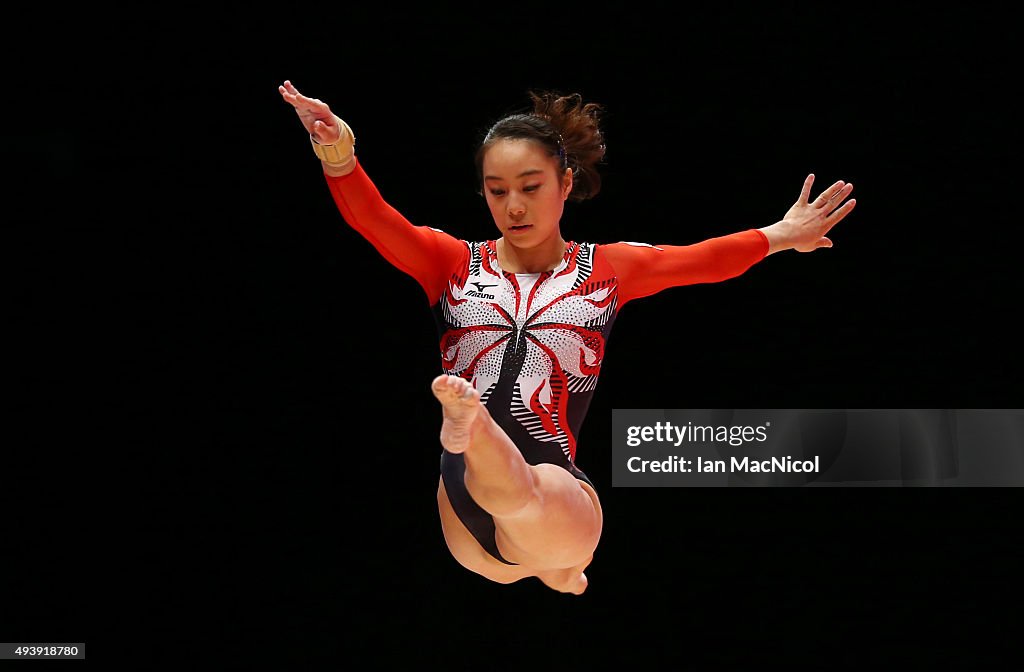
460,403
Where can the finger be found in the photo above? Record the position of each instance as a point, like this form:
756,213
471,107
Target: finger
827,195
305,98
288,91
824,242
837,198
805,192
305,104
842,193
327,131
289,88
839,214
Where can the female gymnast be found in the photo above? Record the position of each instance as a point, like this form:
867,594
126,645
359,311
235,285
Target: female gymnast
523,319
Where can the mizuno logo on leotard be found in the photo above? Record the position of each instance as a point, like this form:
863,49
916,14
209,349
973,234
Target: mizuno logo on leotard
480,287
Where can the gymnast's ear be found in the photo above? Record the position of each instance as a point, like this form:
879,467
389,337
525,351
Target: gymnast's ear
566,183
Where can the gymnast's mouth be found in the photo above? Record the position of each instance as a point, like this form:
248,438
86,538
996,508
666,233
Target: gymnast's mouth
520,227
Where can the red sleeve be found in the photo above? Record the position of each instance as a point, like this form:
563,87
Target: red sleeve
644,269
425,253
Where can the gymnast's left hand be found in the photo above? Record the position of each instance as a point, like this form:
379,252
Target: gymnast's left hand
805,224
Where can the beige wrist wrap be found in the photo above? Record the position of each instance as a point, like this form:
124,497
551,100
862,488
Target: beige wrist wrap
341,153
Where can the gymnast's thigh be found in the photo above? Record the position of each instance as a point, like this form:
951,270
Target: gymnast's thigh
467,550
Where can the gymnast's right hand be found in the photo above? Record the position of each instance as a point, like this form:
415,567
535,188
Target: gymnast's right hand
314,114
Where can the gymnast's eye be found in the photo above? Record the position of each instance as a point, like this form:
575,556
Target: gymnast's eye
497,192
532,187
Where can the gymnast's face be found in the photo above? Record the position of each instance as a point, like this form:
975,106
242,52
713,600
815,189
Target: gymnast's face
525,191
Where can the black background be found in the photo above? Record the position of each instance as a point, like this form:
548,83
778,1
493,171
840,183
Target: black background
225,448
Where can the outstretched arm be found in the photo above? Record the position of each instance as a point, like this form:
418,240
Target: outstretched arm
644,269
647,269
423,252
804,226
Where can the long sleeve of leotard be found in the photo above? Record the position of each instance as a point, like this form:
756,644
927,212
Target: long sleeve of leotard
644,269
425,253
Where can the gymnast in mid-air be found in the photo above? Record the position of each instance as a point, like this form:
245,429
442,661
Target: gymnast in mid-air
523,316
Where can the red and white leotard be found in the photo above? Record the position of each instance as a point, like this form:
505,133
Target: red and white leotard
532,344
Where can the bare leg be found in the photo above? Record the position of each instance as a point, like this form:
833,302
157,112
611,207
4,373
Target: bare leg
544,517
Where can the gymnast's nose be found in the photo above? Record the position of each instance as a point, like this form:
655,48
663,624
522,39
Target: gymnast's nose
516,210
